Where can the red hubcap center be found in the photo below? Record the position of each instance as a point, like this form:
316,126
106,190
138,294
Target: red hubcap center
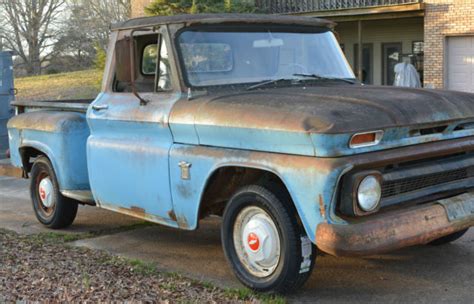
253,241
42,193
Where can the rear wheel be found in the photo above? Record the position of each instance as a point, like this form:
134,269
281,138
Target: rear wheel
51,208
262,240
449,238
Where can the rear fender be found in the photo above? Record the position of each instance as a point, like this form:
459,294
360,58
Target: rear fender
60,136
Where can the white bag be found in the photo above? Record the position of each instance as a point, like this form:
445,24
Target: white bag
406,76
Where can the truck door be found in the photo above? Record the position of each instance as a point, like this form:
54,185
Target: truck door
6,96
130,138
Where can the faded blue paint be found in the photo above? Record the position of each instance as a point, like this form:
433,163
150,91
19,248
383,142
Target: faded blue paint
309,184
62,141
278,141
6,96
336,145
128,154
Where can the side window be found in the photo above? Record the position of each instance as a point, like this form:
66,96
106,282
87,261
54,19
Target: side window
151,53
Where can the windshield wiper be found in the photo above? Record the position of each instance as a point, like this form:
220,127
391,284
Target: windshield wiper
264,83
319,77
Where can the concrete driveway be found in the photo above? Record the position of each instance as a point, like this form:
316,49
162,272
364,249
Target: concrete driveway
16,213
421,274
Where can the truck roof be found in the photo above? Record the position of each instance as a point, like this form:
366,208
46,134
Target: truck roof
222,19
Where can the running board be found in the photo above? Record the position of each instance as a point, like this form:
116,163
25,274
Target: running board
83,196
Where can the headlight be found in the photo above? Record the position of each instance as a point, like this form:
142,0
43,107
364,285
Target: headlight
369,193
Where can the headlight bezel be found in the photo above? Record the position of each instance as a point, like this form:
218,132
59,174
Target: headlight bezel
373,181
348,200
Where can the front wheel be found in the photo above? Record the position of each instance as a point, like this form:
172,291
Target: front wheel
264,243
51,208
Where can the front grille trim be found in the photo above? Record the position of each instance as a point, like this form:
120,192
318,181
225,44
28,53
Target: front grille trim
410,184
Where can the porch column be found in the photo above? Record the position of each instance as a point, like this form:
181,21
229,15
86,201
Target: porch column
360,49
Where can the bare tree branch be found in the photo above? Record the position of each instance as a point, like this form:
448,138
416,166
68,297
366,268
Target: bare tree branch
29,28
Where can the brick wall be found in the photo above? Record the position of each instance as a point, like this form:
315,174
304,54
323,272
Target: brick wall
138,7
442,18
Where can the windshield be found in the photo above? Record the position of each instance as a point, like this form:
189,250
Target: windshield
222,58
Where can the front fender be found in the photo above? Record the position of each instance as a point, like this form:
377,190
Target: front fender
310,181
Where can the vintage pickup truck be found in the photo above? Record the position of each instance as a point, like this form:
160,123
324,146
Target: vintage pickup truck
260,120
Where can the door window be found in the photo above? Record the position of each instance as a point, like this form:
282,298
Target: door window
151,53
392,54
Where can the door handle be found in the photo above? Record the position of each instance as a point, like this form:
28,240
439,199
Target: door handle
100,107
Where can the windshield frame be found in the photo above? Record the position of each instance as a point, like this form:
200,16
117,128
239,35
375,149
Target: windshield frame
239,28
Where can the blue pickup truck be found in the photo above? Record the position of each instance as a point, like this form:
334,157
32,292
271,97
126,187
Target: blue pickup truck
259,120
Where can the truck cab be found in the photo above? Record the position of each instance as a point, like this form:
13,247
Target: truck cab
260,120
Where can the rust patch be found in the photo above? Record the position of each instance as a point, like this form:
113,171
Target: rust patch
138,210
388,231
322,209
48,121
133,211
182,222
172,215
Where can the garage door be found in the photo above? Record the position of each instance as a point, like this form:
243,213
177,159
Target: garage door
460,68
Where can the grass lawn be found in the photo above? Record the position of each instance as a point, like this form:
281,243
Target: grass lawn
75,85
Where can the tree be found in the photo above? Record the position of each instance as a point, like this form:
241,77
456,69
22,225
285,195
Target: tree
175,7
99,15
30,28
76,43
85,35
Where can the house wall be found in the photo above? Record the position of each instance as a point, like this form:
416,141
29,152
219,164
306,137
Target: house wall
378,32
444,18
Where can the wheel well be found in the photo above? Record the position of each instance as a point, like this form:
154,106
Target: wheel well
27,153
224,182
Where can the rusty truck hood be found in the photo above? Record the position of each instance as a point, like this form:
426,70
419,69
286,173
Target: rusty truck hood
336,109
329,115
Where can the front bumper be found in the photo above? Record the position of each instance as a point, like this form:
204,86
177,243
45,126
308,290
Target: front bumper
396,229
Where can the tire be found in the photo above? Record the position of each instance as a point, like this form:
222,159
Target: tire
51,208
449,238
249,215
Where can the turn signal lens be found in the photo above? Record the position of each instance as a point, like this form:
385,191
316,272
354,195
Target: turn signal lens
366,139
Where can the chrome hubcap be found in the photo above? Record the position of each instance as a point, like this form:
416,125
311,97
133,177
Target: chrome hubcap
45,190
257,241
